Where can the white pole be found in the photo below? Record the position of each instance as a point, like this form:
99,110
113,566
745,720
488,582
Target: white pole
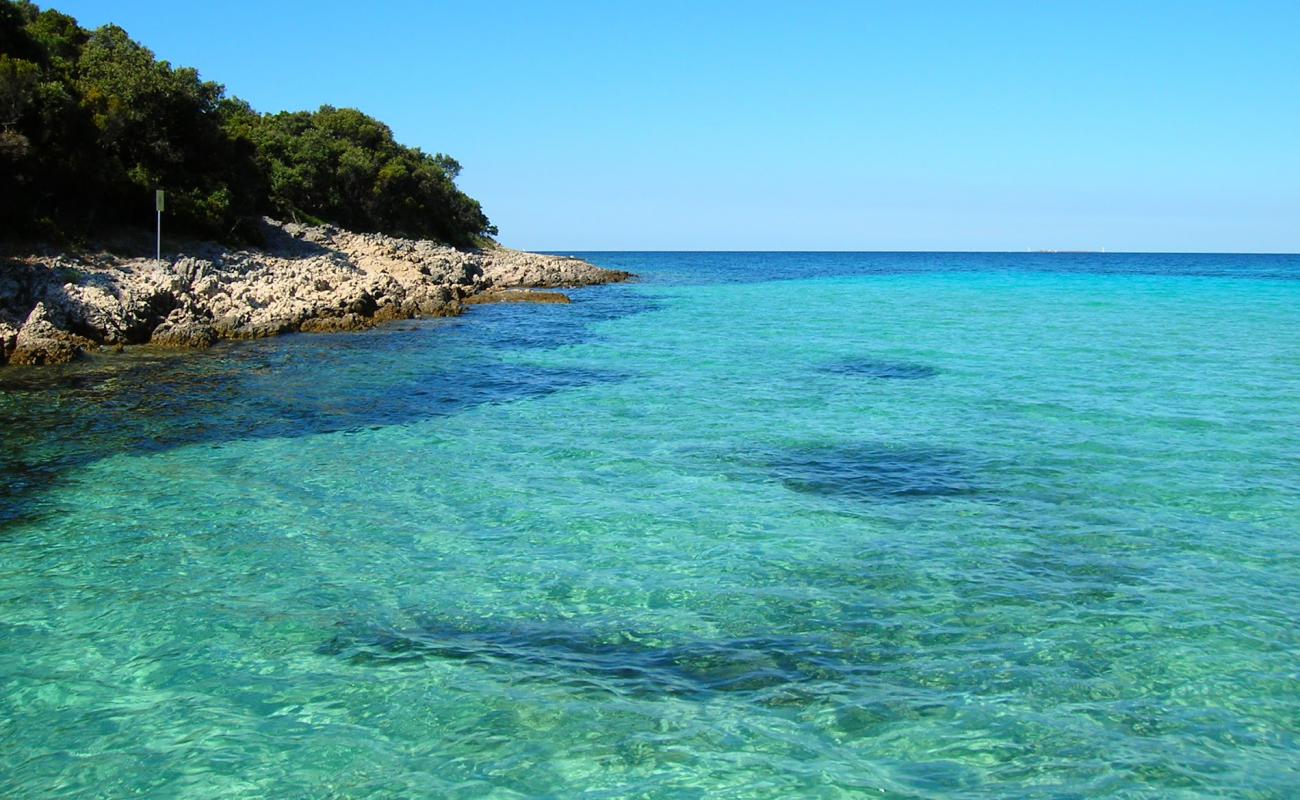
158,206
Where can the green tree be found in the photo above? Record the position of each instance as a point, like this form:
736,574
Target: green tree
340,165
91,123
18,80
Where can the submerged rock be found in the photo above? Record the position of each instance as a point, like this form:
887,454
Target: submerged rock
872,472
859,472
518,296
881,369
626,664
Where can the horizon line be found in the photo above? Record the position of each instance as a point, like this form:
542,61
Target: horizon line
933,252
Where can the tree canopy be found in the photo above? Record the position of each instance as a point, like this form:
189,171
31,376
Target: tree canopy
91,123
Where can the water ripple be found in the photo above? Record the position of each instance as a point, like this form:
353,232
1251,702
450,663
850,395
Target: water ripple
724,541
880,369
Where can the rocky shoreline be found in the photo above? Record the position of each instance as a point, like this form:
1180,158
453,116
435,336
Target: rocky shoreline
305,278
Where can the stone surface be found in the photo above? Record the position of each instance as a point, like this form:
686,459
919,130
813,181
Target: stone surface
306,278
8,341
42,341
517,296
183,329
512,268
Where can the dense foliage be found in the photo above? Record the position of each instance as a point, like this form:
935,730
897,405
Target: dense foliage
91,123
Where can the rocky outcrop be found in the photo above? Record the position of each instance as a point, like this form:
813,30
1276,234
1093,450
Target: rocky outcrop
182,329
41,341
8,341
306,278
511,268
517,296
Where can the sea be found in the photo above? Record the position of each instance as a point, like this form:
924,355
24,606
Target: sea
756,525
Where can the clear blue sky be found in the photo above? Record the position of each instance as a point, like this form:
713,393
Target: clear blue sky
753,125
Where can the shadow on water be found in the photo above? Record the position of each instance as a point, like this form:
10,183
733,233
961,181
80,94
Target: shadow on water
551,326
860,472
880,369
874,472
615,664
57,419
174,410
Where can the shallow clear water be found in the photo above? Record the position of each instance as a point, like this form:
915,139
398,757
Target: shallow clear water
761,525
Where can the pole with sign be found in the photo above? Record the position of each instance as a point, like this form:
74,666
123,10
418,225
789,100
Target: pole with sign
158,205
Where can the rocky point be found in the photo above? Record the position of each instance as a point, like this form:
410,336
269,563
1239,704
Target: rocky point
304,278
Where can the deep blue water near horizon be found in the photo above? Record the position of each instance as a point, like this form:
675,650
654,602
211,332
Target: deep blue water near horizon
901,525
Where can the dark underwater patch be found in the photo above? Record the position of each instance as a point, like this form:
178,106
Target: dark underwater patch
56,421
860,472
865,472
510,327
880,369
159,409
615,664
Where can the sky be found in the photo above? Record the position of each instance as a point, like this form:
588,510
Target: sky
1147,126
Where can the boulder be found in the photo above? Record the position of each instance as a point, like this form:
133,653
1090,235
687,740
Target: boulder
183,330
345,322
40,341
8,341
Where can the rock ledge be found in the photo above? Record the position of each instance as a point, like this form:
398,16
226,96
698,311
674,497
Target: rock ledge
307,278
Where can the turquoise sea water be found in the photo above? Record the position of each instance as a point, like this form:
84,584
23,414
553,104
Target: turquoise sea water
760,525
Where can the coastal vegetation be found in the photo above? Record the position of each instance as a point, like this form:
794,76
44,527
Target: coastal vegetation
91,123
